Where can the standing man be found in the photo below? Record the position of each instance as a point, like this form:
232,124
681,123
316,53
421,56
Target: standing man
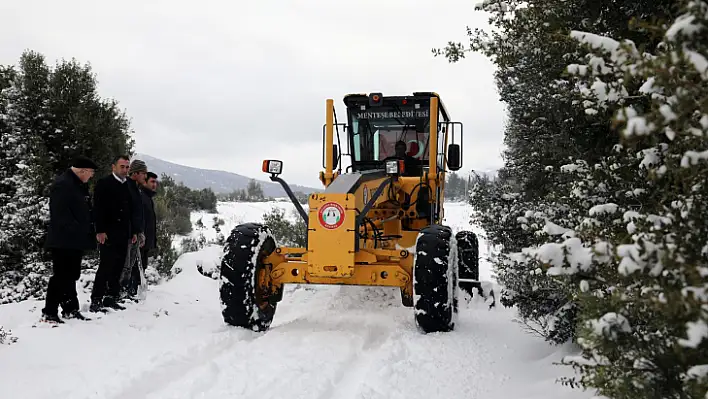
148,190
70,234
136,179
113,206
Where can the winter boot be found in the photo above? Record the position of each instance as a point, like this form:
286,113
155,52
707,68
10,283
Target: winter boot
111,302
51,318
96,307
74,314
130,296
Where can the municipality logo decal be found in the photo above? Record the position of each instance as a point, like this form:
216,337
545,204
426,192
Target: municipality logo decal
331,215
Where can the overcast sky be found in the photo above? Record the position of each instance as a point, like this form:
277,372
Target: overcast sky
223,85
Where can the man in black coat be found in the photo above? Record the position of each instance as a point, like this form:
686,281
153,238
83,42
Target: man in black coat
147,190
113,209
70,234
136,179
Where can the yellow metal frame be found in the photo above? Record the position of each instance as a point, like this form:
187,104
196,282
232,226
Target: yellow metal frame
331,257
329,144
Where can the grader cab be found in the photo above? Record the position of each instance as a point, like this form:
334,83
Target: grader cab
378,223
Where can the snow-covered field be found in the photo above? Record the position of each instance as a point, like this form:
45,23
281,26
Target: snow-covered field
325,342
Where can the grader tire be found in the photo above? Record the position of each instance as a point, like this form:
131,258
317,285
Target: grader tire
242,302
468,261
435,293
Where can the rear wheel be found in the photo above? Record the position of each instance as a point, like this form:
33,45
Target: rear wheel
435,274
243,283
468,260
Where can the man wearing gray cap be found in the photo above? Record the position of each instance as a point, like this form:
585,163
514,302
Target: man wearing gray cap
136,178
70,233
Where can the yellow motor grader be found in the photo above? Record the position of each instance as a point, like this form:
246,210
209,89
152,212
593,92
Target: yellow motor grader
378,223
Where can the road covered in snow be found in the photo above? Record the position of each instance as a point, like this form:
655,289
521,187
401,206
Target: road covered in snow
325,342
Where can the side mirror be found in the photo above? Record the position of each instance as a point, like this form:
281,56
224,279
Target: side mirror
335,156
273,167
453,157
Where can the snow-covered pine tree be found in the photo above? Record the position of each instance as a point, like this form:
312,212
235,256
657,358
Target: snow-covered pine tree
454,187
166,255
548,131
8,159
24,212
254,191
85,124
7,75
70,93
645,327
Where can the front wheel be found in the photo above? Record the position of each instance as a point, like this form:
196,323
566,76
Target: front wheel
243,288
435,278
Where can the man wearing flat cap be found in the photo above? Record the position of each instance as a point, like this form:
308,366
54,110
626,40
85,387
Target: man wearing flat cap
70,233
137,175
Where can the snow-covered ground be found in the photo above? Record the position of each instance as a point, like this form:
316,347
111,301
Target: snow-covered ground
325,342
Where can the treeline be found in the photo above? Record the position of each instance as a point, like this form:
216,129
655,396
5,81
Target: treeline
254,193
48,116
457,187
600,214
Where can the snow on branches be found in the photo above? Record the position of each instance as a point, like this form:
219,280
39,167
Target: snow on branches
654,288
600,214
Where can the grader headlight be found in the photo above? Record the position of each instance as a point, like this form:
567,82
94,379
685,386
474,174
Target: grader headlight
273,167
395,167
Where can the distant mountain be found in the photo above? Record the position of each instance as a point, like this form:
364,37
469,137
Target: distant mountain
219,181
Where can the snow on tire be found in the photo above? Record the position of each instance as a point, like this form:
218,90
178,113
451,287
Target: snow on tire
434,280
242,303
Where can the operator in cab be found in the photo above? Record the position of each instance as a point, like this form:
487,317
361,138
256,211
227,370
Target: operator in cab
412,167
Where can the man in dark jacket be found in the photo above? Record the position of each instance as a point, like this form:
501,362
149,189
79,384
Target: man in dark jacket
148,190
113,209
136,179
70,234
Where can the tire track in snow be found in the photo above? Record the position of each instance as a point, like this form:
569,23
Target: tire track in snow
348,379
373,307
166,372
363,313
323,345
203,371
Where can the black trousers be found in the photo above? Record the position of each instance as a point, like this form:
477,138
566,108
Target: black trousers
110,267
61,291
144,257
